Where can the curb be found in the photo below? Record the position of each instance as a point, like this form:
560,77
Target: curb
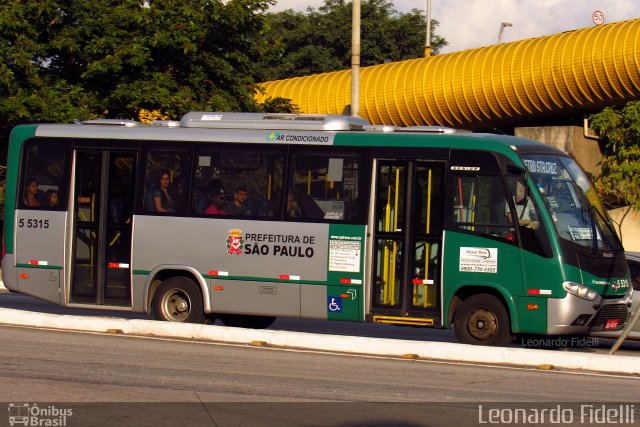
542,359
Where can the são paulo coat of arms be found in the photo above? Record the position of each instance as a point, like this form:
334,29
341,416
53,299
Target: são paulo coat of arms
235,242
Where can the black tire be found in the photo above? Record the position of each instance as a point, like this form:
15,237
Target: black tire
482,320
252,322
178,299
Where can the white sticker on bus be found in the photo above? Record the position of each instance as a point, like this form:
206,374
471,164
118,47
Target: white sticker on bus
478,260
344,255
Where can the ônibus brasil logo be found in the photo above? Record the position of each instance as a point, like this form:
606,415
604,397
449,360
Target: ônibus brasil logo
235,242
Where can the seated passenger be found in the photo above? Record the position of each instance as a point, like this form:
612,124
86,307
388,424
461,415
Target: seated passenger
31,193
218,198
162,199
237,205
51,198
293,210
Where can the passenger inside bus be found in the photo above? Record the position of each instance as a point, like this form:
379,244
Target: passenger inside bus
218,198
526,214
51,198
162,199
293,210
239,204
32,193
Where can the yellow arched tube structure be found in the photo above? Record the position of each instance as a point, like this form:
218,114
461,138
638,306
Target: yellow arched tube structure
556,75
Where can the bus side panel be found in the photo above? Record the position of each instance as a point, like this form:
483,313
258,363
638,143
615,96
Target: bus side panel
139,300
247,262
39,253
313,302
255,298
473,261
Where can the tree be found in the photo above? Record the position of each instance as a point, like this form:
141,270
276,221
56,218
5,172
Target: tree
69,59
320,40
619,182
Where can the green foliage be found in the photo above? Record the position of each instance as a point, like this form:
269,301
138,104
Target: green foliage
320,40
69,59
620,132
278,105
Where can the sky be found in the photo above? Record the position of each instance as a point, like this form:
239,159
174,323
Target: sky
467,24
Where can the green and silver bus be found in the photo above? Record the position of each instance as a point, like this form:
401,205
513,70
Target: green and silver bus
245,217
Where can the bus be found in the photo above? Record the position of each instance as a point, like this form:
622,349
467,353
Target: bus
246,217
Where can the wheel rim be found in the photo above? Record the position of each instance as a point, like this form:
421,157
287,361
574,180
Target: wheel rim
483,324
176,305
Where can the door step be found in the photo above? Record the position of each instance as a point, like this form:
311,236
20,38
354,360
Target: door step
399,320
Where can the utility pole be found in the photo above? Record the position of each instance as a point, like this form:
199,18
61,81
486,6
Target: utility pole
355,59
427,43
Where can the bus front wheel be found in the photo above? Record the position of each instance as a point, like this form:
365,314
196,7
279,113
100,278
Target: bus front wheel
482,319
178,299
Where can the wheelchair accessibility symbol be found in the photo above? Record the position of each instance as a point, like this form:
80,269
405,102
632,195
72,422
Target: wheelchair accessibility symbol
334,304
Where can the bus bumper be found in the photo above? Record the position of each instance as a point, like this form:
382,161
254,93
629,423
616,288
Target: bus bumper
9,274
573,315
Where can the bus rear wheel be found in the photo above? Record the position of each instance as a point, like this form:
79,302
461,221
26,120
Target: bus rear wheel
251,322
482,319
178,299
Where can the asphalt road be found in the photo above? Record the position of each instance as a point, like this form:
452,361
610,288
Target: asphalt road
125,380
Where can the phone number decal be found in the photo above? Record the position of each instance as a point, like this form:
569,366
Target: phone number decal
478,260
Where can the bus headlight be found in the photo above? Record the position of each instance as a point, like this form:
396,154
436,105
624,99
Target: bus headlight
581,291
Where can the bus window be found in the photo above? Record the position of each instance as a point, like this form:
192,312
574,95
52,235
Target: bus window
165,186
480,206
44,172
526,216
251,178
325,188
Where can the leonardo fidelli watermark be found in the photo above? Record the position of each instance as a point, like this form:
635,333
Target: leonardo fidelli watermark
588,414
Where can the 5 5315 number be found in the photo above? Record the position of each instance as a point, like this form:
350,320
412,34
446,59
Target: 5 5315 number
33,223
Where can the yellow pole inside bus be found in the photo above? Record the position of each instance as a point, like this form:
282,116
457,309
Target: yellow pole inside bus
385,256
395,244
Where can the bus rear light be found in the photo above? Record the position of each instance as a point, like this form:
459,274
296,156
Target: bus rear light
24,276
532,306
38,262
581,291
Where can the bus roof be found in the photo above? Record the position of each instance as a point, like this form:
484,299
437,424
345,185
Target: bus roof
303,129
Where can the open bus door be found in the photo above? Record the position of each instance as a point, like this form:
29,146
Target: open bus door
103,217
408,242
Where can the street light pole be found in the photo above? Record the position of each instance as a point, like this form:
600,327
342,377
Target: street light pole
427,43
355,59
502,27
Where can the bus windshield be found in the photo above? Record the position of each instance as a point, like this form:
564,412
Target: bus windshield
572,201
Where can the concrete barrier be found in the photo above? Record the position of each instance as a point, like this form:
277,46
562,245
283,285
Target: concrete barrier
544,359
